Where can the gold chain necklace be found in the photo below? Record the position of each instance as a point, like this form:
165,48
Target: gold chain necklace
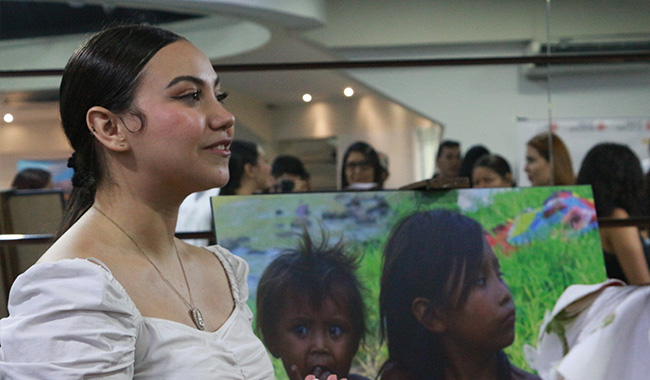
195,313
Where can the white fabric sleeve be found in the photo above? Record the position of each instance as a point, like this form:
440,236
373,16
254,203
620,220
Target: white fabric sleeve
68,320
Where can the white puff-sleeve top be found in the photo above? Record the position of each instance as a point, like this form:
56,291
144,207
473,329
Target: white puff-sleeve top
71,319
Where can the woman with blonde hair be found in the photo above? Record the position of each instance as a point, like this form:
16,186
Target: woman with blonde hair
538,161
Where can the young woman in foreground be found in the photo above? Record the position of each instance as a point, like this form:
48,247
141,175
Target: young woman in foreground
117,296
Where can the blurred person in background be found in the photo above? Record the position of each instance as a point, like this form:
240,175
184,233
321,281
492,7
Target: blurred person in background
470,157
290,175
492,170
32,178
383,162
615,175
448,160
538,161
361,168
250,171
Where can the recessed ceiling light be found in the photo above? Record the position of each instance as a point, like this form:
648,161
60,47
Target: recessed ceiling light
348,91
8,118
306,98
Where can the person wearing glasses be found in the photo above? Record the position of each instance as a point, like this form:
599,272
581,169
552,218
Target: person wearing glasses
361,168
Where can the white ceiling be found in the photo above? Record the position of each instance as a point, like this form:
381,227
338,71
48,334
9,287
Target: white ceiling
266,36
268,31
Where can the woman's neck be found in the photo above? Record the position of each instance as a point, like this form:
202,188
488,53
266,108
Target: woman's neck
150,222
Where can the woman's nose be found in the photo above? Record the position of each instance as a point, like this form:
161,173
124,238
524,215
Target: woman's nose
220,118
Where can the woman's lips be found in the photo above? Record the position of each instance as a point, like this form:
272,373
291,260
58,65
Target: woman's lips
221,148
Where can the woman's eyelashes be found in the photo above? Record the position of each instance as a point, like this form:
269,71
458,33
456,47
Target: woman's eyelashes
190,97
222,96
196,96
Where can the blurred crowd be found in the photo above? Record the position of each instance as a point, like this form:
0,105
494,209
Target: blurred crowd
620,186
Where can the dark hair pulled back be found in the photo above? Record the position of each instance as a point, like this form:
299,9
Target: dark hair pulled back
105,71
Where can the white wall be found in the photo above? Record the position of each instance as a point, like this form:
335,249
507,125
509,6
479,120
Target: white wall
480,104
387,126
385,23
253,120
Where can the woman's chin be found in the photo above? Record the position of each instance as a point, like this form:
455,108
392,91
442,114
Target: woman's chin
221,180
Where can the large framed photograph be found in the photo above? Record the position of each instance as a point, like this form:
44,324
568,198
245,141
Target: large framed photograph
545,239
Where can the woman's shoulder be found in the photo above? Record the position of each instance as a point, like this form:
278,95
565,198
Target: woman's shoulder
236,269
232,262
68,283
55,309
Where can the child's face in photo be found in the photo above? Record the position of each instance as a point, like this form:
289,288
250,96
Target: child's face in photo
486,321
318,342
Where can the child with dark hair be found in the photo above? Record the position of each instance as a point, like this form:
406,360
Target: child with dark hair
310,312
445,309
492,170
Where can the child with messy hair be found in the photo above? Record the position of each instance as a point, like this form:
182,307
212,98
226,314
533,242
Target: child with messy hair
310,312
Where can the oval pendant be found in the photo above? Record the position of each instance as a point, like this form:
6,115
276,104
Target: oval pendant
197,318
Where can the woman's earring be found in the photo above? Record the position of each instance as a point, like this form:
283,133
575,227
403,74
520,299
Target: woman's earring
122,143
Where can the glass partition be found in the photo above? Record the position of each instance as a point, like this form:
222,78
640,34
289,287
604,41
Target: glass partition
578,68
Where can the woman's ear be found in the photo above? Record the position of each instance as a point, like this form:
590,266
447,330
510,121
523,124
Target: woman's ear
427,315
104,124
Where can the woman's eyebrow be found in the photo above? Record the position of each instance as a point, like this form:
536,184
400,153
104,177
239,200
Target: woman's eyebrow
190,78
